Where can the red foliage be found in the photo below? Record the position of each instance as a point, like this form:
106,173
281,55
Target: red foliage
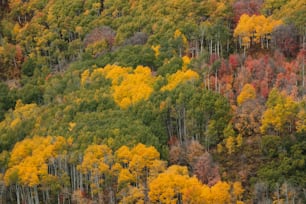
176,155
250,7
214,57
98,34
264,88
206,171
286,40
224,68
172,141
234,61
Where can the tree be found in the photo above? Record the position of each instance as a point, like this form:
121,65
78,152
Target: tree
220,193
137,167
247,93
168,187
255,29
29,164
250,8
285,38
281,113
96,164
206,170
247,117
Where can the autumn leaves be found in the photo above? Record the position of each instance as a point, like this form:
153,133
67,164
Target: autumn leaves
255,29
130,86
128,175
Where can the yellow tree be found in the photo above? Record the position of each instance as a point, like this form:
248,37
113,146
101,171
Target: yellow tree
28,164
301,116
176,186
254,29
181,41
281,113
248,92
237,191
179,77
220,193
96,164
134,87
168,186
137,167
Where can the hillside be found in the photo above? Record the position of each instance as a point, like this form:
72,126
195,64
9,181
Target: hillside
179,101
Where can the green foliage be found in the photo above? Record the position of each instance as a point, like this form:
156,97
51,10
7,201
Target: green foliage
288,166
170,67
28,67
31,94
120,73
271,145
6,99
129,56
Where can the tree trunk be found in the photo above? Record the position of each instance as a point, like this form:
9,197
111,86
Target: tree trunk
17,194
36,195
211,47
184,123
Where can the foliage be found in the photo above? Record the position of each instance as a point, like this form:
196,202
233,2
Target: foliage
126,83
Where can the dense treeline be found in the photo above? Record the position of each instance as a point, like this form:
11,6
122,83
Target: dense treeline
152,101
49,171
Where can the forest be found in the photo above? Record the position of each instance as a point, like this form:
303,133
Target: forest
139,101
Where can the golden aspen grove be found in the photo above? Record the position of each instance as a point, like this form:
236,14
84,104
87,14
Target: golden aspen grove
142,102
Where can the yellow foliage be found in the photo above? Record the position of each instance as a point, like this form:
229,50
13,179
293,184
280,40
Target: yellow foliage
16,29
96,73
257,25
1,50
129,86
70,141
11,175
248,92
134,87
116,73
142,157
71,126
219,148
220,193
28,161
133,195
162,105
96,159
96,5
15,122
166,187
179,35
79,29
123,154
25,111
281,111
178,78
125,176
239,140
85,77
156,48
301,116
97,47
193,191
237,190
186,62
230,144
